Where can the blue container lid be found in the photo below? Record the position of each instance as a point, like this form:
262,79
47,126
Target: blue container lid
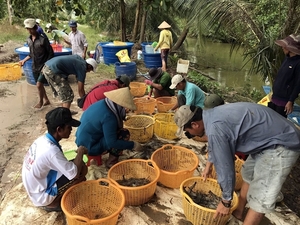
111,45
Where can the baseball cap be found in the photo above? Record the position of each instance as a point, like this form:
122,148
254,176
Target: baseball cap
38,21
212,100
176,80
29,23
72,23
182,116
60,116
93,63
124,79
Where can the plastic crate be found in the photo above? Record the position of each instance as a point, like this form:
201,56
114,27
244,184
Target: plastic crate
137,89
182,66
164,104
97,202
140,127
10,71
164,125
135,168
71,154
176,164
199,215
145,105
57,47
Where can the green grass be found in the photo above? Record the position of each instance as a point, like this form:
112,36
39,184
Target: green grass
12,33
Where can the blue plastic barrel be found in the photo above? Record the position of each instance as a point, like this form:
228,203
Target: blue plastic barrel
27,67
152,60
109,51
127,68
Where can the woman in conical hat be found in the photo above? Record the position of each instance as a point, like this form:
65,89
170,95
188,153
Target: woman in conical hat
102,126
165,43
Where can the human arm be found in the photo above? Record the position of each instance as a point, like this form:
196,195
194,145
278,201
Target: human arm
81,91
154,85
22,62
78,159
289,107
160,41
85,46
48,49
207,170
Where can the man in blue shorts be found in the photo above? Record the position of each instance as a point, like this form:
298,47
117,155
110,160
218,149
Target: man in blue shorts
271,141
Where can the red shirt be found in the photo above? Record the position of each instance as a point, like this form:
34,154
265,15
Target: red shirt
97,93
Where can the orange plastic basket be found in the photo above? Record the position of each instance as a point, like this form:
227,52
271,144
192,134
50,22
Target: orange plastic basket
238,176
10,71
140,127
145,105
93,202
135,168
175,163
137,89
164,104
199,215
164,125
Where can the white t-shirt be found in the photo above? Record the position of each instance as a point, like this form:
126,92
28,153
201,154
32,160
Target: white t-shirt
43,165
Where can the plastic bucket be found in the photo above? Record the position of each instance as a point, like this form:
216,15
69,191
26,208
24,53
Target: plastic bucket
144,44
109,51
152,60
128,69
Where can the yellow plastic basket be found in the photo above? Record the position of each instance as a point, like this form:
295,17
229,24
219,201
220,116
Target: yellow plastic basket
164,125
93,202
137,89
140,127
175,163
135,168
10,71
199,215
145,105
164,104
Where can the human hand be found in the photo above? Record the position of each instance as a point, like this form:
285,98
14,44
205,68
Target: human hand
149,82
221,211
82,149
288,108
207,170
83,56
137,147
21,62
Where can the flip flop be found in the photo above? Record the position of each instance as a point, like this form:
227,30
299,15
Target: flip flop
50,209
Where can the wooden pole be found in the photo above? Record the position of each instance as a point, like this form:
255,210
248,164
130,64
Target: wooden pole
9,12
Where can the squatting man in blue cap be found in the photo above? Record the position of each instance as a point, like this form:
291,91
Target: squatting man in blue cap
271,141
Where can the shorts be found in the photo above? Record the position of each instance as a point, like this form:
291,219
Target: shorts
265,172
39,77
59,85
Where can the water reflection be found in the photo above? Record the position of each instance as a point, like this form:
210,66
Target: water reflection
215,60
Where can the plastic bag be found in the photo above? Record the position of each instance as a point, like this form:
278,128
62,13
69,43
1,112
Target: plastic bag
123,55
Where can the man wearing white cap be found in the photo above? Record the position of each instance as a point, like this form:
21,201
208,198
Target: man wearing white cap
272,142
165,43
57,70
286,86
188,93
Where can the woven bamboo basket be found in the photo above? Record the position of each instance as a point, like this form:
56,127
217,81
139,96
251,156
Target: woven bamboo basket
238,176
97,202
145,105
175,163
135,168
199,215
137,89
10,71
164,104
164,125
140,127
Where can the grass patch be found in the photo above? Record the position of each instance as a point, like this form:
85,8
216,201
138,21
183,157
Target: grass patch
12,33
106,71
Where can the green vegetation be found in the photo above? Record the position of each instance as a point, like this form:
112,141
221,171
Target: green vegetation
16,33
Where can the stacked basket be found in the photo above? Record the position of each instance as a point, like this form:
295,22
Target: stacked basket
145,105
137,89
164,125
164,104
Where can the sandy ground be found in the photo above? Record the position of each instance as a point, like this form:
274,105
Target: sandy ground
20,125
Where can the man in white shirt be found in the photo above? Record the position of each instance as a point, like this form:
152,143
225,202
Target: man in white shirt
78,40
46,173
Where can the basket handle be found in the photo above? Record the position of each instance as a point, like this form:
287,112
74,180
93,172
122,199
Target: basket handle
167,147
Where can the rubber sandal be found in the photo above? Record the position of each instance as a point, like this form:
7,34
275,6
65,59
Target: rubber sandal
50,209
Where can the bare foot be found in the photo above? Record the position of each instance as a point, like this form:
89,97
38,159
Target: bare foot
240,215
38,105
46,103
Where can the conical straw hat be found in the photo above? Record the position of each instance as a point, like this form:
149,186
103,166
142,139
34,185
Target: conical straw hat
122,97
164,25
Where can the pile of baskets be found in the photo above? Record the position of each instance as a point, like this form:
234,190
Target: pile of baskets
164,125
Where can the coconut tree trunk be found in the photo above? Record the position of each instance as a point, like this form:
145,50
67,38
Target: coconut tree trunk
136,21
123,20
181,39
292,21
143,25
9,12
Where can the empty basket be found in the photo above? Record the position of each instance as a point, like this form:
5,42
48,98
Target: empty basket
164,104
10,71
145,105
175,163
140,127
164,125
93,202
199,215
135,168
137,89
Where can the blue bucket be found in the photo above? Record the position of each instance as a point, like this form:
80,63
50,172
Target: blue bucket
152,60
127,68
109,51
27,67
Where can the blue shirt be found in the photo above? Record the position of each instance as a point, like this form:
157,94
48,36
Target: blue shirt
98,130
244,127
68,64
193,94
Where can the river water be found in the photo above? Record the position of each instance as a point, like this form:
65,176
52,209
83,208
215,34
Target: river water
214,59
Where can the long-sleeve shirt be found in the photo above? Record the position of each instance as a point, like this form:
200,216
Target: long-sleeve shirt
193,94
165,40
243,127
98,130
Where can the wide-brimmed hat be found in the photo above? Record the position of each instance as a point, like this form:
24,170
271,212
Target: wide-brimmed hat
176,80
122,97
61,116
29,23
291,43
155,73
164,25
212,100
